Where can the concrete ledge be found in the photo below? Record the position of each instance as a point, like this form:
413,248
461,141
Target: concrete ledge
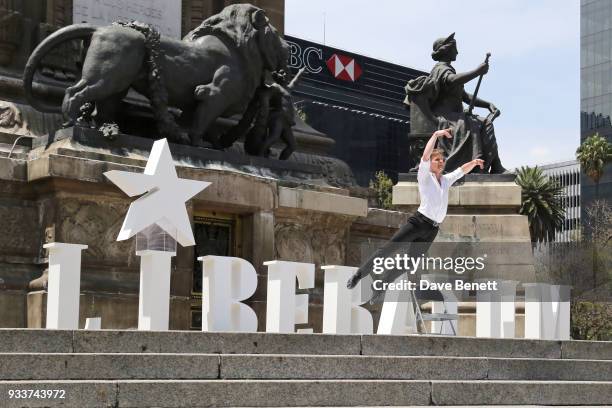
418,345
35,341
487,228
322,202
92,138
521,393
226,343
13,169
133,341
101,366
120,366
301,393
594,350
469,194
472,177
77,394
410,368
272,393
378,217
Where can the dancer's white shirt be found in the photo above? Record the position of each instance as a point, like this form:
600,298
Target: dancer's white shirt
434,195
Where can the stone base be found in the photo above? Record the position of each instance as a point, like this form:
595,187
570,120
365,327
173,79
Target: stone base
300,167
13,307
118,311
473,194
55,191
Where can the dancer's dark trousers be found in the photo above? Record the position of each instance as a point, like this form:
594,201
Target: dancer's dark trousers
417,229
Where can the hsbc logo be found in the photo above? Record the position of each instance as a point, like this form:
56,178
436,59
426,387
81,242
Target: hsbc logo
340,66
344,68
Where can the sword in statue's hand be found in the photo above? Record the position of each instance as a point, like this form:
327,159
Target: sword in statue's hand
474,96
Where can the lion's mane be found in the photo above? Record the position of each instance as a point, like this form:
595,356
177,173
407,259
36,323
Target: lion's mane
233,21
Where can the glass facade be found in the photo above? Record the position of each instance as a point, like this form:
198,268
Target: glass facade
596,86
596,64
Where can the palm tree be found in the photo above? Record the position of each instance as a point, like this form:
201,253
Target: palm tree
593,154
541,203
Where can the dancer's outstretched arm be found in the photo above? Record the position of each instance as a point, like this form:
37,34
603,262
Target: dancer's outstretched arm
431,144
467,167
463,170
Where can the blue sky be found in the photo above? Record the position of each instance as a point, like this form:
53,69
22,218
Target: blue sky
534,77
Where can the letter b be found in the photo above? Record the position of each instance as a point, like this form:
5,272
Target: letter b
226,281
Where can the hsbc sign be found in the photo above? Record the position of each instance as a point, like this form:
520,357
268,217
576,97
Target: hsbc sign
340,66
343,67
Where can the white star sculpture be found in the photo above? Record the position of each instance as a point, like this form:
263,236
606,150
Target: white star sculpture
164,201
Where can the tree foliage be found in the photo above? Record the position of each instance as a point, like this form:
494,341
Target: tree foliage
593,154
591,321
541,203
383,185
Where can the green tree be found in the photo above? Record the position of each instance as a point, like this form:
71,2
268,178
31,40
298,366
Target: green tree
383,185
593,154
541,203
591,321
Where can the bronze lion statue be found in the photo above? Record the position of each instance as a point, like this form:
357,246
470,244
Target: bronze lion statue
212,72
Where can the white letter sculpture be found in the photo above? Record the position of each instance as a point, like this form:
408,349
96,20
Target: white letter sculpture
397,314
64,285
495,310
547,311
162,202
342,311
226,281
283,307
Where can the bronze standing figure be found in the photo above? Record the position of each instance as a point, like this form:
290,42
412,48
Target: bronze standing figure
436,102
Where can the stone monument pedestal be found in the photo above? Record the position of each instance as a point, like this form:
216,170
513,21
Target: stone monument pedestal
54,191
482,211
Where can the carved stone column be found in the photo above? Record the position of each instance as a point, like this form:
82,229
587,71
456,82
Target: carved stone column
11,26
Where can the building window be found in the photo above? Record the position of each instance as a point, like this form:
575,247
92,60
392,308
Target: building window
215,234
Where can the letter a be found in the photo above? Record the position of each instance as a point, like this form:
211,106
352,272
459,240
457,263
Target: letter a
342,313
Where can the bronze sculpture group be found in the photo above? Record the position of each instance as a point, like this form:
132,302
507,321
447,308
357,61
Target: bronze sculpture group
436,102
235,63
214,71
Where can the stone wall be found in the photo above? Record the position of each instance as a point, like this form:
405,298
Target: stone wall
57,193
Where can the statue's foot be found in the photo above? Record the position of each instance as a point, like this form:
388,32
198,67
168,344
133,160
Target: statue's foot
497,168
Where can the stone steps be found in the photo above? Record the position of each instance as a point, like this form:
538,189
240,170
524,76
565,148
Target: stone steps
185,369
133,341
104,366
286,393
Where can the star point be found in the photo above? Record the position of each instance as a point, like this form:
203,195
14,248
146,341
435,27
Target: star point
162,196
